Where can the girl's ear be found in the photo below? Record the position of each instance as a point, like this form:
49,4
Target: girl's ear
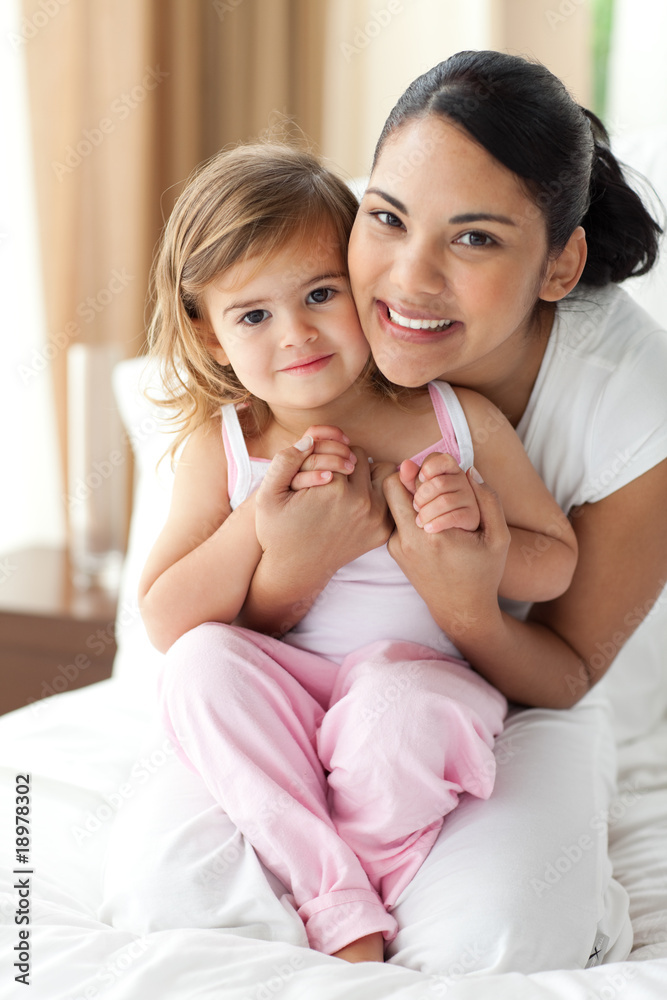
564,271
210,341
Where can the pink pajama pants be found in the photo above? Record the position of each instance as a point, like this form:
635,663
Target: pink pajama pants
338,775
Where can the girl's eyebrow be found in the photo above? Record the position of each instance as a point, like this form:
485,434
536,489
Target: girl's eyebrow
314,280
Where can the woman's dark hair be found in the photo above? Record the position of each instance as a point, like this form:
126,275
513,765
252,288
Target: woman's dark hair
525,117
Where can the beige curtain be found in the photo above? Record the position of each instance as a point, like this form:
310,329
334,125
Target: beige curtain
127,96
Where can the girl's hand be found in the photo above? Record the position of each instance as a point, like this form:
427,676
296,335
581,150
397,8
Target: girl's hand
442,494
457,572
330,453
331,526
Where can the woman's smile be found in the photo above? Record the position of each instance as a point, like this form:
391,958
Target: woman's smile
447,260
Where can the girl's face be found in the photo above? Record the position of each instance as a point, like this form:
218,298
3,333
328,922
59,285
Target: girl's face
448,256
289,327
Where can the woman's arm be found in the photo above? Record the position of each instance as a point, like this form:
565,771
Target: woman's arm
543,549
568,644
201,565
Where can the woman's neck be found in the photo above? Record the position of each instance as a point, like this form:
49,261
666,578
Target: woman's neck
507,377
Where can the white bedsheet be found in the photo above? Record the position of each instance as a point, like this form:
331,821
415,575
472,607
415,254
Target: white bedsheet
80,748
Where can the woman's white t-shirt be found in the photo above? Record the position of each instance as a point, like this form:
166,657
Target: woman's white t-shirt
596,420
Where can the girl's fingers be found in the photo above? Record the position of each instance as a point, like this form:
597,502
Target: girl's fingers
442,485
304,480
329,462
328,447
327,432
438,463
408,472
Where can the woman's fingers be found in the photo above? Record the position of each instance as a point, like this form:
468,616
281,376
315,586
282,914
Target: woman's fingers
492,518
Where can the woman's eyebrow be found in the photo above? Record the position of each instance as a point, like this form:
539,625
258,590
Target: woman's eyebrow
481,217
387,197
455,220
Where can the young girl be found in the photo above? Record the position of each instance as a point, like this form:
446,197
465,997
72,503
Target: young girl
338,749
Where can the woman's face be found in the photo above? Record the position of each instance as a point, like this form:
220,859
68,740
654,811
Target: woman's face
447,257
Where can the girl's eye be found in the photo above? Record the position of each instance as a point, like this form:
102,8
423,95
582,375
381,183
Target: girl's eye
475,239
254,317
320,295
388,219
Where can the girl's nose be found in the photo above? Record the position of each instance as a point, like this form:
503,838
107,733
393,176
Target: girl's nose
298,330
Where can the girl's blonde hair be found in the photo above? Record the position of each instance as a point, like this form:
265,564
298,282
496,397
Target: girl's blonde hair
246,202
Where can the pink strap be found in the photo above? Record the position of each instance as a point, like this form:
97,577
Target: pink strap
232,470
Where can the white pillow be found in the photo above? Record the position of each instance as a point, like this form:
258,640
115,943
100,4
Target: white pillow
144,422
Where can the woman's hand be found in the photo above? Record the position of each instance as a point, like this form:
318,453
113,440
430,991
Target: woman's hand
308,534
456,571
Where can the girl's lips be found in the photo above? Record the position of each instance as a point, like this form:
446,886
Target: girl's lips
308,366
405,333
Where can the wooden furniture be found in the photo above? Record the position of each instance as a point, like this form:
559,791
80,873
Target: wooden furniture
54,637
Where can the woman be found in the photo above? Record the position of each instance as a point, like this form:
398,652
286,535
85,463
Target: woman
475,225
492,196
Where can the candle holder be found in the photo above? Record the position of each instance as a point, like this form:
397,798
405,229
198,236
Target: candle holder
97,467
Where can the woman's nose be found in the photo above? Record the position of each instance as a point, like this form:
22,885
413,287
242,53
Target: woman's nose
417,270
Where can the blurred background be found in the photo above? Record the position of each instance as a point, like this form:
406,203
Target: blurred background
107,105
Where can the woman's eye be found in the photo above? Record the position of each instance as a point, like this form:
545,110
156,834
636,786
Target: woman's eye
320,295
254,317
388,219
475,239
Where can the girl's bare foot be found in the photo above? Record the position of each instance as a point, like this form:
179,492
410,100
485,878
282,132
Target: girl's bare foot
365,949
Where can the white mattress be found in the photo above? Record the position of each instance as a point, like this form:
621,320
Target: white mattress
79,748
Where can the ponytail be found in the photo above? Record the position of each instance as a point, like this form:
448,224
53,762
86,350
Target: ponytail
622,237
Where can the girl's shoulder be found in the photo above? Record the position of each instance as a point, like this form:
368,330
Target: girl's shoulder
203,454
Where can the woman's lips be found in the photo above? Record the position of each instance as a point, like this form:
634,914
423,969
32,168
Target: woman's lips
308,366
425,335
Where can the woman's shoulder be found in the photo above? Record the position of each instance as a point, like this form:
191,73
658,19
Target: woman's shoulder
605,326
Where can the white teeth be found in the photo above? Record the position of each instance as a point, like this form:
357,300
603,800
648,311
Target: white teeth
419,324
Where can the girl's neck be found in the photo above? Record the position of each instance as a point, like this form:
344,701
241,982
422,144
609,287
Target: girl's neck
352,412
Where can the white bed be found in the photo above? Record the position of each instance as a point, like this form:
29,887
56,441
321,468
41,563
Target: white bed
81,750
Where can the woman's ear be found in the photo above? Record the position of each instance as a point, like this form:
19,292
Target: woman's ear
210,341
564,271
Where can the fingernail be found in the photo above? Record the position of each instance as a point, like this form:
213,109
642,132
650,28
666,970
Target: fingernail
474,474
418,521
349,466
421,477
304,444
325,476
346,439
